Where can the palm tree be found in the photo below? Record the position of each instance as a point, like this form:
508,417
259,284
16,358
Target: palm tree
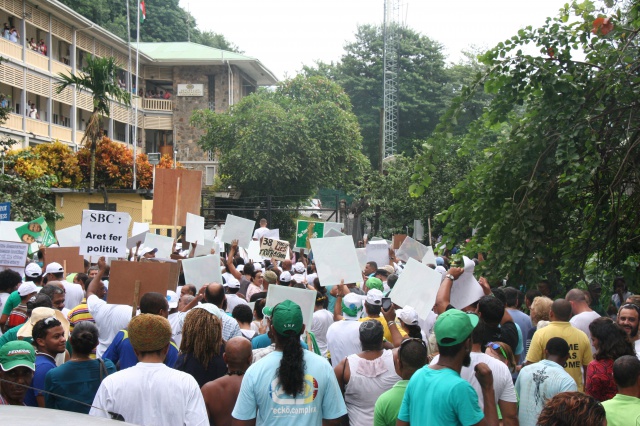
100,77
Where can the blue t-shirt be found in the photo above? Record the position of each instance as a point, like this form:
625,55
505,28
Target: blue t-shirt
44,363
121,353
263,340
76,380
439,397
262,398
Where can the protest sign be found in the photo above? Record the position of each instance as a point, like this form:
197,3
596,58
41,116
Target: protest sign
238,228
139,228
378,251
417,287
398,239
195,229
273,233
429,257
35,233
304,298
104,233
253,251
13,254
333,233
160,242
410,248
466,289
209,242
202,270
362,257
69,237
307,230
335,226
336,260
5,212
8,231
153,276
176,192
135,239
274,248
69,257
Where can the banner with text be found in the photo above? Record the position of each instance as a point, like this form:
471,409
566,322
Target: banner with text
307,230
277,249
13,254
104,233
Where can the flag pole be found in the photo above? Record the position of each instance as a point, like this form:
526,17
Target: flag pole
129,82
135,129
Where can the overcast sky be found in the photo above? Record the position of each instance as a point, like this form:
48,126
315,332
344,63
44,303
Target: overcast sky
286,34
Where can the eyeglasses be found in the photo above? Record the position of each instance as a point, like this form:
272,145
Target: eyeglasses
411,339
495,347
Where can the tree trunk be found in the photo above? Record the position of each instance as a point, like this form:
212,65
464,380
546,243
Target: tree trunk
92,170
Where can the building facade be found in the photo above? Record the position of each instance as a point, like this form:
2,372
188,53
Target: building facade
174,80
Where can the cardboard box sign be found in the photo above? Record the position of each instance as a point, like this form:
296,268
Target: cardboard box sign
154,277
398,239
69,257
171,197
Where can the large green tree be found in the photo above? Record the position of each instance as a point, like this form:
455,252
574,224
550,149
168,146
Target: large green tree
100,78
290,141
556,189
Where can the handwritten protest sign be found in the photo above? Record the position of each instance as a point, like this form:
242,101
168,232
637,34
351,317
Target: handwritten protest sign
35,233
13,254
336,260
69,237
417,287
238,228
274,248
306,231
195,229
202,270
466,289
104,233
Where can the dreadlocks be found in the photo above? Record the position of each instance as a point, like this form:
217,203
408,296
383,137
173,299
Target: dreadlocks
201,336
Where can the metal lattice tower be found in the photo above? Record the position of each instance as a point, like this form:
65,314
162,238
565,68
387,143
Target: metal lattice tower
390,102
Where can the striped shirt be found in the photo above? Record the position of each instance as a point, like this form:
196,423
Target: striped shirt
78,314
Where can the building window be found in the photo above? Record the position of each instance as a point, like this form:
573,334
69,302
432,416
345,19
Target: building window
212,92
209,175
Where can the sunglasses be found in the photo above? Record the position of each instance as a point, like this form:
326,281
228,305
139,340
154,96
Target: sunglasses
495,347
630,306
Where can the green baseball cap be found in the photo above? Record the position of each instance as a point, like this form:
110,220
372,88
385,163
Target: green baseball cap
17,353
375,283
454,327
285,316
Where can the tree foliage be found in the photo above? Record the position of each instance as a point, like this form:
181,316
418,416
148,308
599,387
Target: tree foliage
29,199
293,140
55,160
554,185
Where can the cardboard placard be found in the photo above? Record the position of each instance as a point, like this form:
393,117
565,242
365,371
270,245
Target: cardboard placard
305,231
378,251
69,257
162,243
335,226
429,257
398,239
271,248
410,248
304,298
36,233
13,254
466,289
195,229
336,260
417,287
69,237
104,233
202,270
238,228
154,277
205,249
173,199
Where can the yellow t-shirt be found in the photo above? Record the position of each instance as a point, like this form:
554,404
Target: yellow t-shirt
579,348
387,332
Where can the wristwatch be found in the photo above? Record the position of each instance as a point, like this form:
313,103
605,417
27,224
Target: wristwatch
451,277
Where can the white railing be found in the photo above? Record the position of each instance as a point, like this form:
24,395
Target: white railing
37,127
10,48
37,59
158,104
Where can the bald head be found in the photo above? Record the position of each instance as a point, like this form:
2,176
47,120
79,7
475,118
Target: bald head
214,294
237,354
561,310
576,295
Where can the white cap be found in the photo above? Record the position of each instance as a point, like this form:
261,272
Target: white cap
146,250
285,277
53,268
233,283
172,298
257,266
32,270
299,267
408,315
27,288
374,297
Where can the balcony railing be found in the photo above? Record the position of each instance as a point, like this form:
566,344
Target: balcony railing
63,134
158,104
37,127
37,59
59,67
10,48
14,122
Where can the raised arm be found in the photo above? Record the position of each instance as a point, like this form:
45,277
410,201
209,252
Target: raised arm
96,282
231,268
443,298
337,308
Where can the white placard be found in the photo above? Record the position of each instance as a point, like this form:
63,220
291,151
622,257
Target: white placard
13,254
362,257
8,230
333,233
133,241
160,242
202,270
209,243
429,257
104,233
336,260
253,252
378,251
271,248
139,228
417,287
238,228
272,233
336,226
304,298
195,229
69,237
466,289
410,248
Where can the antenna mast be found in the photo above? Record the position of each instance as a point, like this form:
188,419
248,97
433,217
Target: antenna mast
390,102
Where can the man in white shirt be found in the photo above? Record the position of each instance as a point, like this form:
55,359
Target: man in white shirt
505,394
259,233
150,393
343,336
583,315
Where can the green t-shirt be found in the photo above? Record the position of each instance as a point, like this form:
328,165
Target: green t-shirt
13,301
12,334
388,405
622,410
